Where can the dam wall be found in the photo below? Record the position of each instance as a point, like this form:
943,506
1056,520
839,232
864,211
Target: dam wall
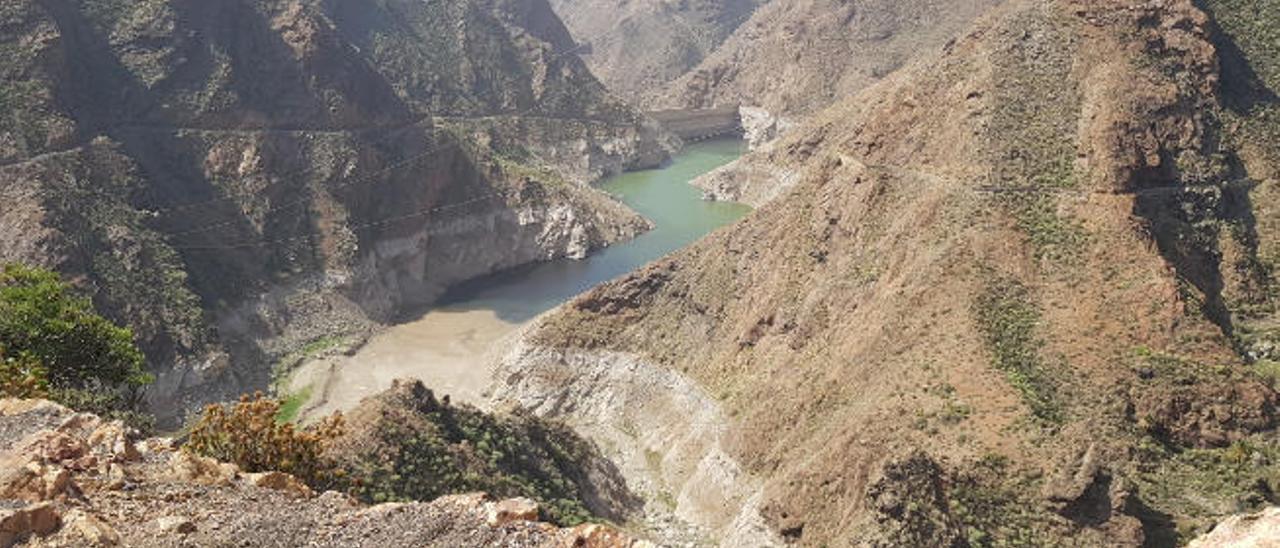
699,124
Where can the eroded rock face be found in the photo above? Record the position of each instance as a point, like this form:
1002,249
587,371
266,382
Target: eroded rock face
636,47
665,434
1207,415
1258,530
793,58
1061,156
910,502
233,206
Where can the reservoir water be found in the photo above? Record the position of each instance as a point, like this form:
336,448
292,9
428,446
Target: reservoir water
447,345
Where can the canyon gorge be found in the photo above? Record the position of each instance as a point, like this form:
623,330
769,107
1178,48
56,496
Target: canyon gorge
650,272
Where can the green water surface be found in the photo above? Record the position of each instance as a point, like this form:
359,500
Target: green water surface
663,195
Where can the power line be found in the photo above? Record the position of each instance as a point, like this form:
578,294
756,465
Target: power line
353,228
386,137
433,148
311,191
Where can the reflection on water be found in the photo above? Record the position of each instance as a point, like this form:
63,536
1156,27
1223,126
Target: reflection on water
663,195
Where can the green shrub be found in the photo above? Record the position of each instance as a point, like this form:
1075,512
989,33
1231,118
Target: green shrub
1268,371
439,449
41,317
58,347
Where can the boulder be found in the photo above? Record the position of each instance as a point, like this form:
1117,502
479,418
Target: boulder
510,510
113,439
175,524
30,480
1257,530
185,466
37,519
79,424
594,535
91,530
280,481
57,447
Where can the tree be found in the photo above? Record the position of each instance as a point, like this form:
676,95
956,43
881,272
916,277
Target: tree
48,327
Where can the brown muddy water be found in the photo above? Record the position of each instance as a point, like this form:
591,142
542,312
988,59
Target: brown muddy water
450,346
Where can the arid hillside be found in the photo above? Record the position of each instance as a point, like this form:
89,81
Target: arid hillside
635,47
1022,294
793,58
239,180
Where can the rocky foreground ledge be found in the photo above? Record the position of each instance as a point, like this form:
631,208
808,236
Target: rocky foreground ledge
74,479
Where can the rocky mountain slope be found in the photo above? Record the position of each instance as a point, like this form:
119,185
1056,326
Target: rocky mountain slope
71,479
239,180
635,47
791,59
1020,294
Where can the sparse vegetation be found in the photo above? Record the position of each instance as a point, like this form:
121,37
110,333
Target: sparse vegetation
311,350
1009,321
1052,236
1269,371
1034,136
1197,486
292,405
138,279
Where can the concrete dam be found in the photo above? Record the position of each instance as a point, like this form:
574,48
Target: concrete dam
700,124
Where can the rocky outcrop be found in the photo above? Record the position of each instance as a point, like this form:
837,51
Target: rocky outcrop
168,497
404,443
1208,415
1257,529
759,126
236,180
666,435
754,180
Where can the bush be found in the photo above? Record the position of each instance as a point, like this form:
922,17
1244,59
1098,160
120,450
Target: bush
56,346
22,376
1009,319
247,434
420,448
41,318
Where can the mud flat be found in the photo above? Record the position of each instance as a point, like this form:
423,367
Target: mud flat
452,347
